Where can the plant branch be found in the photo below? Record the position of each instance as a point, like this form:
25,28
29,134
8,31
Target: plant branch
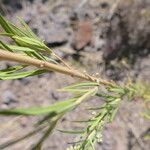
10,56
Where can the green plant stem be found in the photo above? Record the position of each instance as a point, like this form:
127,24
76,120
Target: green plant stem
10,56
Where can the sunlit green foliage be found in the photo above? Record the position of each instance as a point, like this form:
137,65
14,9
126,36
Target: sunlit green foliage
27,43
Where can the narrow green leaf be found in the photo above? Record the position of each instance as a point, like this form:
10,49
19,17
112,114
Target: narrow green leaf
81,121
10,28
71,132
54,109
4,46
92,144
17,31
45,119
20,48
38,145
18,75
81,85
31,43
11,69
90,93
117,90
5,25
27,29
6,34
113,115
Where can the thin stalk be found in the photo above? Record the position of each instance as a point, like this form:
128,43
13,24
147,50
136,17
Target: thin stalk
61,60
10,56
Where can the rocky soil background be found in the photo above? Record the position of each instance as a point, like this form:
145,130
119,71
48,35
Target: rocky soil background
111,38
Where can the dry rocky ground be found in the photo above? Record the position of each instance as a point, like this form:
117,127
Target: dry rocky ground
110,37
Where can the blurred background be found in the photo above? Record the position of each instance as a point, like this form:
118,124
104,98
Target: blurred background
107,38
